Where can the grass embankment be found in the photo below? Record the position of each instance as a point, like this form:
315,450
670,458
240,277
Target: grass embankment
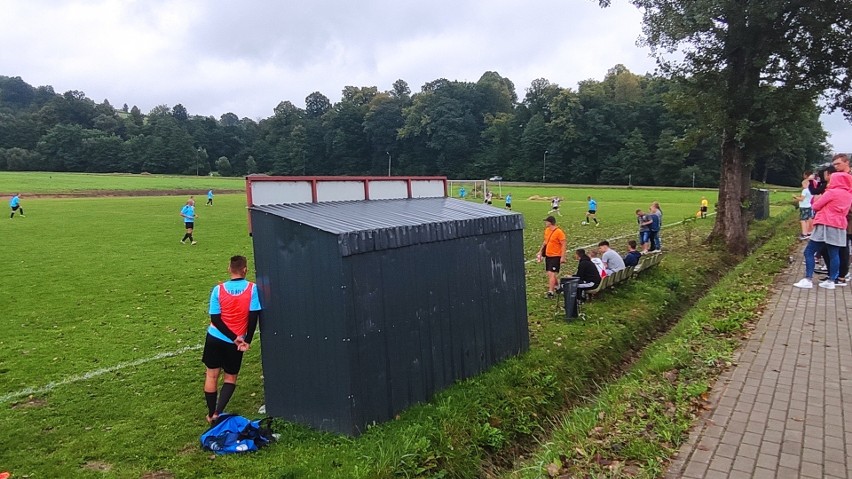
635,425
99,283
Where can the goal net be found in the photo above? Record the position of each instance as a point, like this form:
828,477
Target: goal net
466,188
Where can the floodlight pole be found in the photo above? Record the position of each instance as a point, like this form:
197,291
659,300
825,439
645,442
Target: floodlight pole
544,167
389,161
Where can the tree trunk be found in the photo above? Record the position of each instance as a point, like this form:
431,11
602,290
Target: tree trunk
731,226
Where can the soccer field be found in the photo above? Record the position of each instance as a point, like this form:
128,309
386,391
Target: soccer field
105,312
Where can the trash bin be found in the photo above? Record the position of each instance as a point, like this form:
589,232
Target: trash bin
760,203
569,291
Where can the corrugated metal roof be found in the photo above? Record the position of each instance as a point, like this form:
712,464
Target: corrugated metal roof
371,225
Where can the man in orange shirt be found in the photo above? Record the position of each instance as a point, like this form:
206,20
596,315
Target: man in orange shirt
553,252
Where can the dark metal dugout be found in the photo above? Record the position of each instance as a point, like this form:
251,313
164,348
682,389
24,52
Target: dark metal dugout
372,306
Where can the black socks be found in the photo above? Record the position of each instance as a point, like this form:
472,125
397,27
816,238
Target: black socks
211,402
225,396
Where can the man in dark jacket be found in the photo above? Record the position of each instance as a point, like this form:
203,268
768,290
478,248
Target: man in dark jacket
586,271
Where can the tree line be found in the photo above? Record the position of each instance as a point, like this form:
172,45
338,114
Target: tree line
626,128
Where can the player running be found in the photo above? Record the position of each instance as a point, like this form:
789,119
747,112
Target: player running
210,198
554,206
15,204
592,212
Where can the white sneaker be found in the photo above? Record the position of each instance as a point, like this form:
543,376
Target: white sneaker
827,284
804,283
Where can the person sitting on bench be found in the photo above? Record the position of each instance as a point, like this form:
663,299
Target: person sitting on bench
587,272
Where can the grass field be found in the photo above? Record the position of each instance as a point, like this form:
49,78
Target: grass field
104,314
42,183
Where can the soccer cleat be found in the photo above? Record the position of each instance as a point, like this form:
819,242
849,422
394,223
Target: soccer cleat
549,294
194,243
22,216
182,241
804,283
827,284
597,224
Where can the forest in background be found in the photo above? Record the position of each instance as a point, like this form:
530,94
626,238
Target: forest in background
627,128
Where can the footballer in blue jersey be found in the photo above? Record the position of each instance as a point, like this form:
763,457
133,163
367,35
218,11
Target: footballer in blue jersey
189,215
210,198
15,204
592,212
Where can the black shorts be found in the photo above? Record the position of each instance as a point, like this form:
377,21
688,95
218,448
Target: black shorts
509,206
15,208
552,263
219,354
593,212
554,207
188,225
704,209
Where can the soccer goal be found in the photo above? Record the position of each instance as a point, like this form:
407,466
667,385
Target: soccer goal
470,188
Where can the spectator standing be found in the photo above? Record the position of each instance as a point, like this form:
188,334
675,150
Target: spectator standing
644,222
805,212
830,225
553,252
656,226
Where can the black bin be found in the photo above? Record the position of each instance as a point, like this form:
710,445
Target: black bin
569,290
760,203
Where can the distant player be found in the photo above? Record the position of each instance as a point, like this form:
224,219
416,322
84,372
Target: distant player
188,214
508,201
592,212
554,206
704,205
234,313
489,197
210,198
462,192
15,204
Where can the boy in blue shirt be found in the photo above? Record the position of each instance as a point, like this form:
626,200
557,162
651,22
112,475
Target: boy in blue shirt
508,201
188,214
15,204
593,211
234,313
210,198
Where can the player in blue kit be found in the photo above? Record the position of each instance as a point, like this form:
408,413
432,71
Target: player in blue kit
234,313
592,212
210,198
188,214
15,204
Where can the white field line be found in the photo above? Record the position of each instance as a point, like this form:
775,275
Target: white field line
631,235
91,374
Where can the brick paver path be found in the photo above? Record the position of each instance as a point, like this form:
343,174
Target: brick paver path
785,410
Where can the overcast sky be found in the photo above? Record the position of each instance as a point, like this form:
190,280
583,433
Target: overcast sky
246,56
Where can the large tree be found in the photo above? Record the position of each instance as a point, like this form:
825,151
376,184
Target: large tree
737,57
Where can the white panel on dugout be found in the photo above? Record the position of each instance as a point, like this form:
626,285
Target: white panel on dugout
388,190
280,192
427,189
340,190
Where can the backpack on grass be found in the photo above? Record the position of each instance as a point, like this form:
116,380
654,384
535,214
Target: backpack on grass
234,433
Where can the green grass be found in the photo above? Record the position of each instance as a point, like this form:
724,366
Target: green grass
42,183
100,282
636,424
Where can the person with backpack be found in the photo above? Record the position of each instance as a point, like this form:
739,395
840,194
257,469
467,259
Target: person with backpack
234,313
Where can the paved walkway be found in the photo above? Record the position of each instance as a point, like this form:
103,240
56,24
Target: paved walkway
785,410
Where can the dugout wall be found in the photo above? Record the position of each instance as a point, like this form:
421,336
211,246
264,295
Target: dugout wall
371,306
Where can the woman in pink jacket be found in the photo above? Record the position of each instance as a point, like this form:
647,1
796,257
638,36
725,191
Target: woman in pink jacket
829,229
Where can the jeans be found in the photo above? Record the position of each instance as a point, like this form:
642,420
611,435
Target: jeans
656,244
813,248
